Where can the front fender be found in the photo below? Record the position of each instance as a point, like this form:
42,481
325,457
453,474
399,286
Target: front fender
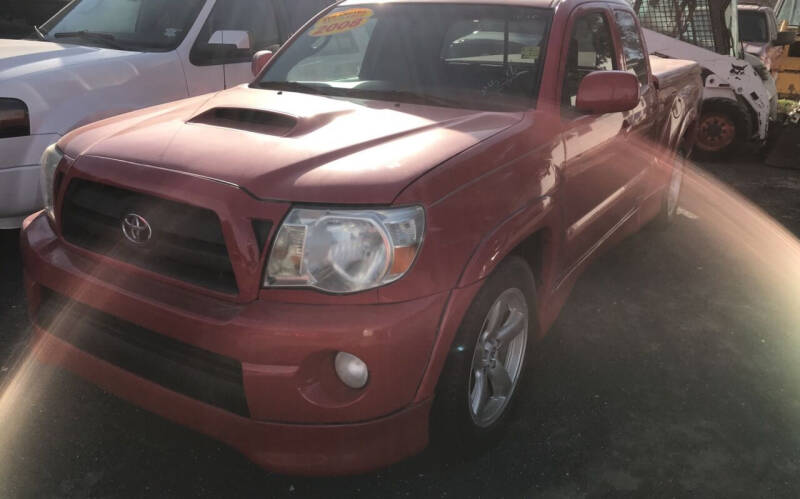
509,234
538,217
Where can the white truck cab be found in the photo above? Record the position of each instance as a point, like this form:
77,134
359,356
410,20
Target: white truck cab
739,95
758,30
98,58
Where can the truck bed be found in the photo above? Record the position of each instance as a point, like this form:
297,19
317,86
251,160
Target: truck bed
673,72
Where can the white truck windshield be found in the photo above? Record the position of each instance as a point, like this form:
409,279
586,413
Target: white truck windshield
124,24
789,11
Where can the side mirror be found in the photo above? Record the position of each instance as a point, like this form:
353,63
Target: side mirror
784,38
603,92
260,59
235,38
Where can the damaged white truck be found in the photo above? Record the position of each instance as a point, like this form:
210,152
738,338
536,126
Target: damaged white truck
739,95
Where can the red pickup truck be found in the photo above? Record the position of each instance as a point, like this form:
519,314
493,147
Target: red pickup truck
364,245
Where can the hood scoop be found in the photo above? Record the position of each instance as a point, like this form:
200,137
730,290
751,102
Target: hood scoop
250,120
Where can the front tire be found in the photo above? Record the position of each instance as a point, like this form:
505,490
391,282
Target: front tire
482,376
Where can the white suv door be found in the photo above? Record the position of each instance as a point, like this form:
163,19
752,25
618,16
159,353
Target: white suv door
232,33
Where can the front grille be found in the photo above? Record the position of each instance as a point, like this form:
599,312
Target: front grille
185,242
182,368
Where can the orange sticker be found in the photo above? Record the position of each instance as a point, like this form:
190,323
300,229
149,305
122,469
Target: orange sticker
340,22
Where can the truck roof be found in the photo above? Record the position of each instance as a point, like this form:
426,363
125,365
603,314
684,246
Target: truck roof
547,4
668,71
542,4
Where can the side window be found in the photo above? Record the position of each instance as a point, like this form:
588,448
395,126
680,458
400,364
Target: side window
632,48
590,49
256,17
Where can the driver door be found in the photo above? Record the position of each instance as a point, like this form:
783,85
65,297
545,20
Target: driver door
599,193
232,33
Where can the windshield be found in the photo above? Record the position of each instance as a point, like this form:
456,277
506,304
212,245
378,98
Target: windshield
473,56
789,11
753,26
154,25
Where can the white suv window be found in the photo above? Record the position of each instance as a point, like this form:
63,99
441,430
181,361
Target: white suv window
256,17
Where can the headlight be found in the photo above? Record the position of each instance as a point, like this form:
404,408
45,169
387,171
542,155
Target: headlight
50,159
14,119
343,251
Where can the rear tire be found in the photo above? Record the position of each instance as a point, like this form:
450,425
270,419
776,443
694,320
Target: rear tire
485,368
725,126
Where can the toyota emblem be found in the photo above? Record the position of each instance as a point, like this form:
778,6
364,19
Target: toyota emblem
136,228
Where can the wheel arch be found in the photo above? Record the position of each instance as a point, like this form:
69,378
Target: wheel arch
529,233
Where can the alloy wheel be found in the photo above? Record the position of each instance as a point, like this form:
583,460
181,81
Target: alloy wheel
498,358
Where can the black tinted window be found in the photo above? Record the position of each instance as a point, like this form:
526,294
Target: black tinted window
590,49
753,27
632,48
256,17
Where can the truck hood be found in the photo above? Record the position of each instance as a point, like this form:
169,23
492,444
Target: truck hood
22,58
65,86
291,146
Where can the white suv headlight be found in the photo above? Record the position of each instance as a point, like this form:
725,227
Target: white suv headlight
343,251
50,159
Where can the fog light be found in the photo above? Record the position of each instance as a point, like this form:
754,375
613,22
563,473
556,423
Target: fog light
351,370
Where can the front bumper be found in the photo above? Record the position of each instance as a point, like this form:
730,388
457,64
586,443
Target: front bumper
299,418
20,194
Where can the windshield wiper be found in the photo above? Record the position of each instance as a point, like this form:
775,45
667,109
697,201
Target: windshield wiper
291,86
39,33
357,93
408,96
104,38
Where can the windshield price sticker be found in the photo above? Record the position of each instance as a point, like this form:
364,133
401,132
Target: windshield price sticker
340,22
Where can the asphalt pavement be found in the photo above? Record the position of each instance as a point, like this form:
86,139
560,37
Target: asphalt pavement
673,371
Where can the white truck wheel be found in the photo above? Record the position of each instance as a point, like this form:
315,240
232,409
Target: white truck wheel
723,127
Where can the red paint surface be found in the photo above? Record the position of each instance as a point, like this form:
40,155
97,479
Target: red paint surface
488,181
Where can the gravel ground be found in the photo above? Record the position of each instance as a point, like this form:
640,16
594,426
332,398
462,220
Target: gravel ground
671,372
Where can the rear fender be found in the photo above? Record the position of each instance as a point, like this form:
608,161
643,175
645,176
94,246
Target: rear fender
688,130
